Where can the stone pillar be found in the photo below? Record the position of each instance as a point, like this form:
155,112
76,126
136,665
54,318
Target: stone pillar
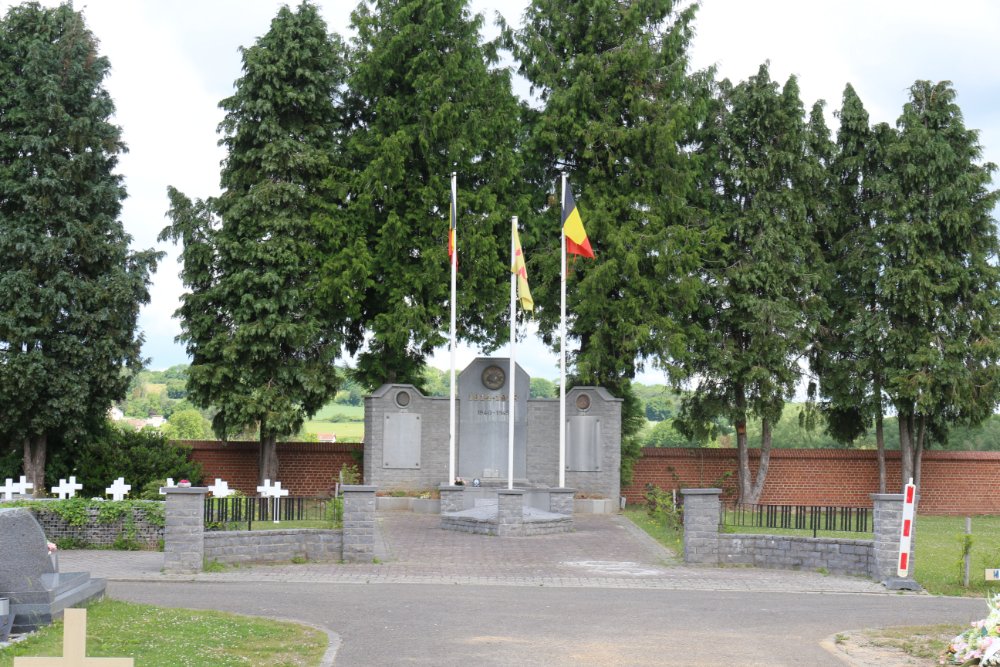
887,519
184,532
701,525
510,512
359,523
561,501
452,498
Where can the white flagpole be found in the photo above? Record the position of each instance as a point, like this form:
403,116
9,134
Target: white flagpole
562,341
453,216
511,377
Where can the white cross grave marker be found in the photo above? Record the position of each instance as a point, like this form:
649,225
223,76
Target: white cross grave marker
23,486
275,492
221,488
119,489
67,489
74,647
8,489
170,485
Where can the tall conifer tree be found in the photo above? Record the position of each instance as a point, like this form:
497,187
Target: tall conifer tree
754,321
263,343
940,282
849,355
70,289
426,100
618,107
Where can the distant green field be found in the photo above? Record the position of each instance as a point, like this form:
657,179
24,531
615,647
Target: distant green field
346,431
335,412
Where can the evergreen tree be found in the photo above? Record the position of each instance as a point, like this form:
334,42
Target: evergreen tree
262,341
70,289
618,108
849,356
756,314
426,101
939,282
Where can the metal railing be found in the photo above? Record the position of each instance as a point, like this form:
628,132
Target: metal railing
799,517
240,513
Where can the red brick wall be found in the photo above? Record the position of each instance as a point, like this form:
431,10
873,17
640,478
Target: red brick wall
304,468
961,483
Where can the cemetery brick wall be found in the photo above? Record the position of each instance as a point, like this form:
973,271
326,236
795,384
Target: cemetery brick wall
304,468
955,483
98,534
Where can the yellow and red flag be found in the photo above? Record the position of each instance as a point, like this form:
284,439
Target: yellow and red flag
453,217
520,269
577,242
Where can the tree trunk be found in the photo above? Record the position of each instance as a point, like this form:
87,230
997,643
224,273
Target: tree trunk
905,448
742,455
267,463
880,448
765,459
743,463
918,451
34,462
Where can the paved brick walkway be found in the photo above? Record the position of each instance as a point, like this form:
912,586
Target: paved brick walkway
602,552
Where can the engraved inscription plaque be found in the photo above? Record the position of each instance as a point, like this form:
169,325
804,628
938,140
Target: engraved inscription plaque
484,393
401,441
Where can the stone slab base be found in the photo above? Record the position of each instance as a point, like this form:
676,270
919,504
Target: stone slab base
483,520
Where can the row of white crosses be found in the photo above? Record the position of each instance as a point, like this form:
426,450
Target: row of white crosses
118,490
276,492
12,488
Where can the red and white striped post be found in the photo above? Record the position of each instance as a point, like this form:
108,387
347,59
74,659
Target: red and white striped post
906,530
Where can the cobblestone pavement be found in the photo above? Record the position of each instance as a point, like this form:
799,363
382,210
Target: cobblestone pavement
602,552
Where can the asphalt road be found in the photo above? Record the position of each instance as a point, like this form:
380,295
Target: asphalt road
420,624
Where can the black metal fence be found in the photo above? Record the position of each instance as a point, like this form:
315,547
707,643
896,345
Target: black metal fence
240,513
801,517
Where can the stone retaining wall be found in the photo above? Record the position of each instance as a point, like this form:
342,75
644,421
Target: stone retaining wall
144,533
272,546
836,556
876,558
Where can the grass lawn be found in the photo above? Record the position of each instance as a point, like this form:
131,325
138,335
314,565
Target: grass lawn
160,637
937,554
668,537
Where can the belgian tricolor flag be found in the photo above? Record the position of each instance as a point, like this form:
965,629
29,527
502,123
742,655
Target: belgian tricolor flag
577,242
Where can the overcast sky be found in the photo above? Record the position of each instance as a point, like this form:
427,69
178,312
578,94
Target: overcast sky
172,62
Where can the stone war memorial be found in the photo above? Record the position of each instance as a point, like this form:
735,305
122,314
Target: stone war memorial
407,448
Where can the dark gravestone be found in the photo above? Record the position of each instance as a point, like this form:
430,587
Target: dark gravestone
484,392
37,593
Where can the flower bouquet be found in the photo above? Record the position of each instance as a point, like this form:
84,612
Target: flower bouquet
980,644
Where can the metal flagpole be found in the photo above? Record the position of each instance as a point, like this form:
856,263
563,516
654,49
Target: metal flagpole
562,341
511,377
454,279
